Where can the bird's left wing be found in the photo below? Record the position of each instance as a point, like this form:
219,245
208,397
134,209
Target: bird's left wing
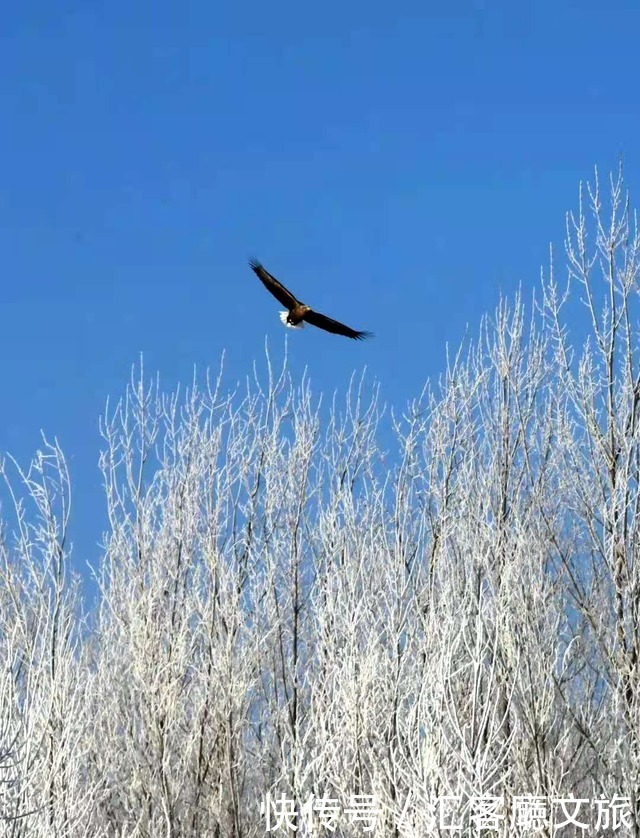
333,326
271,284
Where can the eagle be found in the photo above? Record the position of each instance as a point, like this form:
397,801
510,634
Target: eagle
298,313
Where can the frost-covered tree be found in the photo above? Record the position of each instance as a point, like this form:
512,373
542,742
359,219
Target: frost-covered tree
344,601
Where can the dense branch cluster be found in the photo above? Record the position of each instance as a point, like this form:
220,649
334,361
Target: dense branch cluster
304,601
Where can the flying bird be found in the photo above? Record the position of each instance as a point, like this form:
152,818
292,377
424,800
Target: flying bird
297,313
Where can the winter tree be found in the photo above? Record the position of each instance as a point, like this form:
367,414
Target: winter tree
347,616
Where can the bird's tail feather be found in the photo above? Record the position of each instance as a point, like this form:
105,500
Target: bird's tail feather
283,317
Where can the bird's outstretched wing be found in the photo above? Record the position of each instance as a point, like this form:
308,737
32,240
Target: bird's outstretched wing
329,325
271,284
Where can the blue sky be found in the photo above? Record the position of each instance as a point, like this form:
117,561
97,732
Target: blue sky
395,164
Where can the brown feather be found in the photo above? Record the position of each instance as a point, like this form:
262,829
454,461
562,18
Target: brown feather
333,326
278,290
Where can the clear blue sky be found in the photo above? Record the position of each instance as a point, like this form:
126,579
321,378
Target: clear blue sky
395,164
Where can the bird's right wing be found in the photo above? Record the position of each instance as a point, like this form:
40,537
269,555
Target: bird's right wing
333,326
271,284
